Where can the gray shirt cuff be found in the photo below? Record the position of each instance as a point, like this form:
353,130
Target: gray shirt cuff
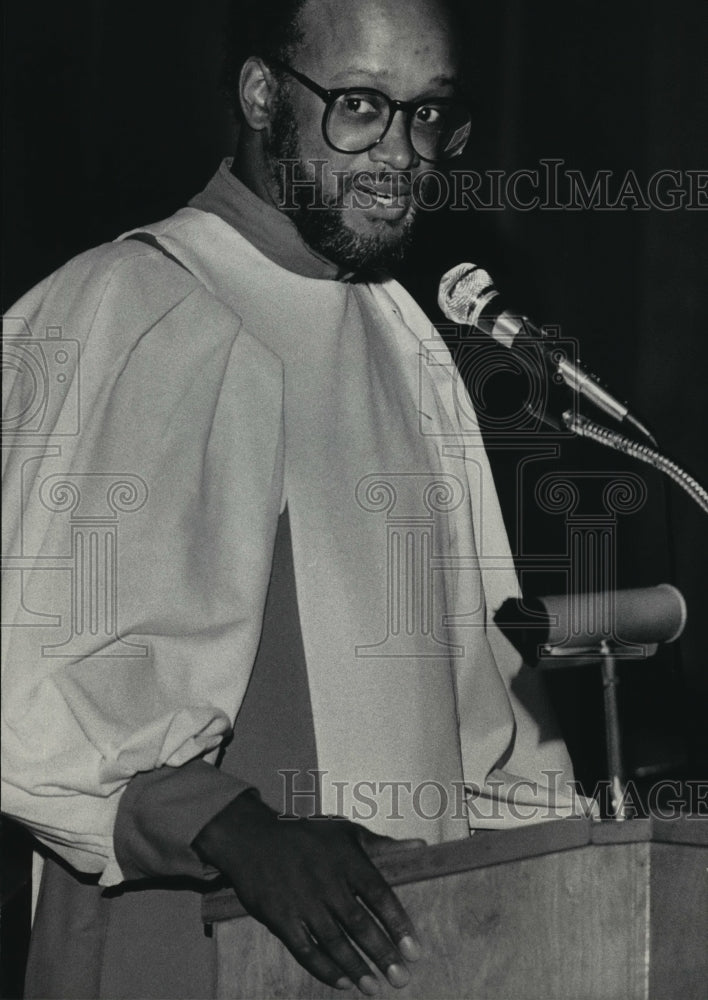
161,813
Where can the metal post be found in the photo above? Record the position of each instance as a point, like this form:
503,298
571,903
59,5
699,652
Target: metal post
613,739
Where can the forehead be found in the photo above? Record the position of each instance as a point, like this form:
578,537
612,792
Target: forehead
404,45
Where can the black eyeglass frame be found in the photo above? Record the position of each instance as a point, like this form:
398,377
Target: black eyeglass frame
330,97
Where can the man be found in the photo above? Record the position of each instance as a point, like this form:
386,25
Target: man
258,406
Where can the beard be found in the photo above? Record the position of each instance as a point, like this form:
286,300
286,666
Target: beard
322,224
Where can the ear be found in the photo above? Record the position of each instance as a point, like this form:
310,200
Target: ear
256,92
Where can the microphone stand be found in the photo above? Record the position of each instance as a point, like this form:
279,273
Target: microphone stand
606,653
561,391
585,428
615,766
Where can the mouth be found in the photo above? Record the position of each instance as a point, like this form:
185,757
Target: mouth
392,196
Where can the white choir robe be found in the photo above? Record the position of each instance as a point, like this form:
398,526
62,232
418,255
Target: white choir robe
205,406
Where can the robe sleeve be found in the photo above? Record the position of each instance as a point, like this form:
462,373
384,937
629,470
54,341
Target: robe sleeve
160,814
143,482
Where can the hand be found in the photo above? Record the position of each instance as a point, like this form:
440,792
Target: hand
312,884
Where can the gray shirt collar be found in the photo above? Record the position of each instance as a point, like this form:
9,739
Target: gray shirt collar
269,230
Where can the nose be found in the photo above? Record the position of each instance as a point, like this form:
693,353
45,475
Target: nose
395,148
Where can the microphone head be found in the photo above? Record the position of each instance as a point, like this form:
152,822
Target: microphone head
464,292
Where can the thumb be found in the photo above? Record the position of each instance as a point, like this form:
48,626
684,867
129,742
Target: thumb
376,844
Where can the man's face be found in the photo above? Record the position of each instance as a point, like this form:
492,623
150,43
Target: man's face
401,49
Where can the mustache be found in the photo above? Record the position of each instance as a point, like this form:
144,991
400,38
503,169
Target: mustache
321,187
395,184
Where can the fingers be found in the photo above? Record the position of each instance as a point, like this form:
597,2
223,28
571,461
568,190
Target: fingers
383,903
373,941
314,886
310,954
376,845
324,943
324,950
333,940
411,844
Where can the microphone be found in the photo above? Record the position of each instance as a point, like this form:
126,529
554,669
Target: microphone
467,296
582,622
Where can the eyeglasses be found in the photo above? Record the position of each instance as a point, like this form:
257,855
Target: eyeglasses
356,119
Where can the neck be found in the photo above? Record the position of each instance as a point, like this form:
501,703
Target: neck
251,166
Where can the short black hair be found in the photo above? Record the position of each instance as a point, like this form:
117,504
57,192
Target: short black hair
270,30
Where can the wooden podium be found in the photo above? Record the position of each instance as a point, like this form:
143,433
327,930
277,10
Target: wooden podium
567,910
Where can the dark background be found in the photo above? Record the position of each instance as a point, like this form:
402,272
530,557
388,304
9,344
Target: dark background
112,119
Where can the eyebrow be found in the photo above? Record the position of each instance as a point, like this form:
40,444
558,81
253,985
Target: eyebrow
441,80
